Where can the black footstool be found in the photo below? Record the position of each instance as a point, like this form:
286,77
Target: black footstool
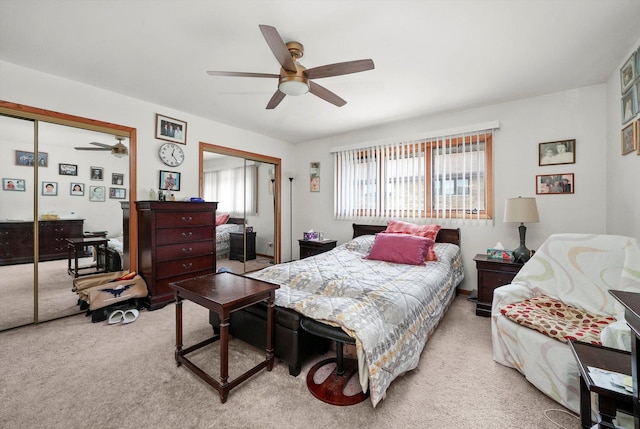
331,390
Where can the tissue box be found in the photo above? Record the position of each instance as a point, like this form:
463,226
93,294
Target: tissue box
500,254
311,235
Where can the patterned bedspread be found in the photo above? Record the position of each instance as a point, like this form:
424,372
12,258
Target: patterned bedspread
223,243
390,309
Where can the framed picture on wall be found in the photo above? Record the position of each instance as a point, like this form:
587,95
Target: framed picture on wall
50,188
96,193
169,180
76,189
170,129
629,104
628,73
558,152
13,185
97,173
117,193
555,184
67,169
28,159
628,139
117,178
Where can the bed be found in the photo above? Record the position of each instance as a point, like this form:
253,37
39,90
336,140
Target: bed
390,309
223,243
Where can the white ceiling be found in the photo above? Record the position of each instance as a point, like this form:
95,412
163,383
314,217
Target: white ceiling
430,56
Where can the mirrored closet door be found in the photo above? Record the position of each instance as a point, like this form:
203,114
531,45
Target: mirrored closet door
68,190
244,186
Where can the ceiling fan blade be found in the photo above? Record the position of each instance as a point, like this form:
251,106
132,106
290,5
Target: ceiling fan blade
338,69
93,148
325,94
278,47
241,74
106,146
278,96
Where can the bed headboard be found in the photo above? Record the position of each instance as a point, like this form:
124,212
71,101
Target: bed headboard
445,235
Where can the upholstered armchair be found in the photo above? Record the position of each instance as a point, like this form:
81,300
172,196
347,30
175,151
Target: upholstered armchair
562,293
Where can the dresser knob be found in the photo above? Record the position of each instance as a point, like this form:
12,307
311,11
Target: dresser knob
187,266
189,250
187,234
187,218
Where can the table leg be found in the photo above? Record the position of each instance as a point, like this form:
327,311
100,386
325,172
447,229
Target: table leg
585,404
178,328
224,357
75,258
607,408
270,331
68,258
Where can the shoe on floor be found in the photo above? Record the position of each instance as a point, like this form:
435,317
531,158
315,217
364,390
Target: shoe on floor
116,317
130,316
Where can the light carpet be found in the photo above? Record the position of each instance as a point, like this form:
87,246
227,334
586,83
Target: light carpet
71,373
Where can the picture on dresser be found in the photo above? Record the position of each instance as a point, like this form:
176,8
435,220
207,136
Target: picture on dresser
49,188
13,185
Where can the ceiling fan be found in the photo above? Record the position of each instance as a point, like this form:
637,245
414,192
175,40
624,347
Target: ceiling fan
294,78
118,150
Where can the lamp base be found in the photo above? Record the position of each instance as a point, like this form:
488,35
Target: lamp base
522,254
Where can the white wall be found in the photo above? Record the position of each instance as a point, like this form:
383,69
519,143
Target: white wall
29,87
578,114
623,172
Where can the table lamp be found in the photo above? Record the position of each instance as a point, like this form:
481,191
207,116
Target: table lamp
521,210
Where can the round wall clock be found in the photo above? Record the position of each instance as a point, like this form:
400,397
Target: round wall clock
171,154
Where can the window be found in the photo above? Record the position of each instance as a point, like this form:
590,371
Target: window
227,187
446,177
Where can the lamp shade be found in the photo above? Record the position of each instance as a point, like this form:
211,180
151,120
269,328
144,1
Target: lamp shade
523,210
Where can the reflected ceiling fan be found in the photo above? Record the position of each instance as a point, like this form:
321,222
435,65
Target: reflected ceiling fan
118,150
294,78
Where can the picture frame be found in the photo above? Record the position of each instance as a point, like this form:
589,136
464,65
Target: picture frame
117,179
628,73
11,184
628,139
97,173
76,189
314,177
169,180
96,193
67,169
27,159
562,183
557,152
171,129
117,193
636,136
49,189
629,104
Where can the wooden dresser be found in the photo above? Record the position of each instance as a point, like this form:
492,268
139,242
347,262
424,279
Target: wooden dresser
16,240
176,241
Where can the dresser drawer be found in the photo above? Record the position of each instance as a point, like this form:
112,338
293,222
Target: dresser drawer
185,250
181,219
184,266
184,235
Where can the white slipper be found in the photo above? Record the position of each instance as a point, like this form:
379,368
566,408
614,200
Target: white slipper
130,316
116,317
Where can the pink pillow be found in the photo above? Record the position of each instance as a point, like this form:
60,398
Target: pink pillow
428,231
400,249
222,219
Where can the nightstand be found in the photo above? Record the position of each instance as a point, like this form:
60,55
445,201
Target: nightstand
237,250
492,273
315,247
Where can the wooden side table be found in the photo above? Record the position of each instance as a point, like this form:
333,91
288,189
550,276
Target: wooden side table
76,246
492,273
610,399
315,247
223,293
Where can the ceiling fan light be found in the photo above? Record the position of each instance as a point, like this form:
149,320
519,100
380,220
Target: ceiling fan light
293,87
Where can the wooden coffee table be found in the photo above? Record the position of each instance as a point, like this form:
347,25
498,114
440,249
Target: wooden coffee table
610,399
223,293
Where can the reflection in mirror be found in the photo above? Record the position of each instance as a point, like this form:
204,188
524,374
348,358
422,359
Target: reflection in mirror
246,232
78,194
